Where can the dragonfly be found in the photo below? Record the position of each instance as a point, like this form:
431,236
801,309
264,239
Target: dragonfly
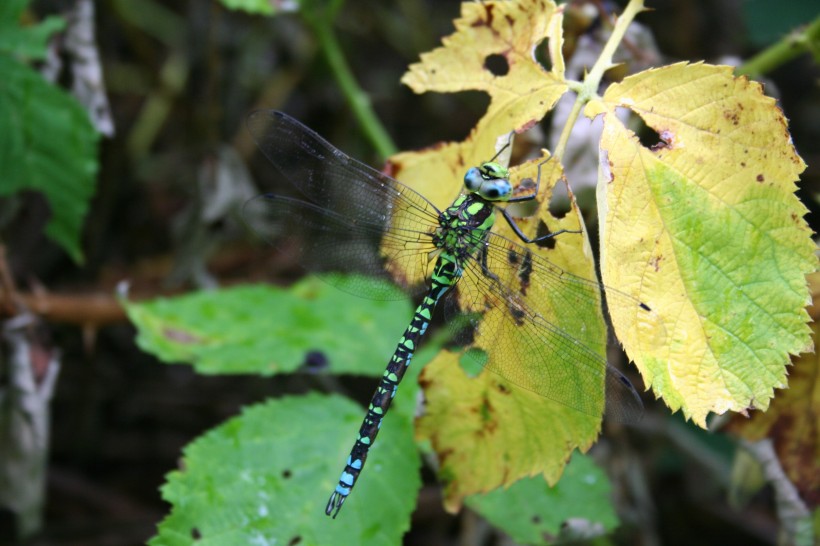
363,221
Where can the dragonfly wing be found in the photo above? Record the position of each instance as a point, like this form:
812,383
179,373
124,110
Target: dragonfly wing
521,297
325,242
331,179
623,403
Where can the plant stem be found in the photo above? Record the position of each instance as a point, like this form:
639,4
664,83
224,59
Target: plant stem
356,97
790,46
588,89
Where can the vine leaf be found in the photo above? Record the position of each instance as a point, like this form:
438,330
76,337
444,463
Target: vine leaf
492,50
533,512
219,332
705,227
470,420
47,142
793,420
263,478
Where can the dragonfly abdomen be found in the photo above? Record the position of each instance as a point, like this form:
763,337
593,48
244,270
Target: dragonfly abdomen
446,274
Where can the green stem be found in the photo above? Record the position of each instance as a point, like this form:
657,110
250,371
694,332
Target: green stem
356,97
560,148
588,89
779,53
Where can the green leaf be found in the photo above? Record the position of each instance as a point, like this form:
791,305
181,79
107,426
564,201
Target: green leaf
266,330
25,42
532,512
262,7
47,144
264,478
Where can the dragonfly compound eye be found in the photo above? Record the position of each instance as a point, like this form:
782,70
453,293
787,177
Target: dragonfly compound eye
495,190
473,179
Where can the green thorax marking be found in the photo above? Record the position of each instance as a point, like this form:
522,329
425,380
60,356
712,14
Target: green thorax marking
464,225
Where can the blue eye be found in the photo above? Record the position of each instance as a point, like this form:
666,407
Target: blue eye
473,179
495,190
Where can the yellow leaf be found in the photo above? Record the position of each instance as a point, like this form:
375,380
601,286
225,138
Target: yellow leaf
519,98
547,396
706,229
488,433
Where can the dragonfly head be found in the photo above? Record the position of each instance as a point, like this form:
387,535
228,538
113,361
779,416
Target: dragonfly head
490,181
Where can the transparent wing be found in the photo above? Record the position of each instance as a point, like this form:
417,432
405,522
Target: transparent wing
516,293
356,219
326,242
348,211
331,179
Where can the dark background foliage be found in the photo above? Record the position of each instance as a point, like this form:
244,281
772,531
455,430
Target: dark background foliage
181,77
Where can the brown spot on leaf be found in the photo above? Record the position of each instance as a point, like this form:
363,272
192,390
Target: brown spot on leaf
180,336
732,116
760,178
666,140
488,8
529,125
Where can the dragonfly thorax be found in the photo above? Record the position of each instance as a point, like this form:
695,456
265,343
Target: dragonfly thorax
490,181
464,225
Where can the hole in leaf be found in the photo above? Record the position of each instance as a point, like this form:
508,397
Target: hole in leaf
542,55
462,326
286,474
472,361
497,64
559,201
542,230
648,137
195,533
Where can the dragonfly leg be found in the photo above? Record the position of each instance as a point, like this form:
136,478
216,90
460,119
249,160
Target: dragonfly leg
484,267
534,194
511,221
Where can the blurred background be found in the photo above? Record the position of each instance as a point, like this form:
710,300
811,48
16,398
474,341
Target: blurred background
175,166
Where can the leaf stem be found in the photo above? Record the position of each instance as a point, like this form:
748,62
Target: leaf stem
322,25
588,89
790,46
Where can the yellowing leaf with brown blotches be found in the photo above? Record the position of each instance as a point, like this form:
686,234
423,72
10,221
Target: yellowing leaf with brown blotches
706,229
546,396
492,50
488,433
